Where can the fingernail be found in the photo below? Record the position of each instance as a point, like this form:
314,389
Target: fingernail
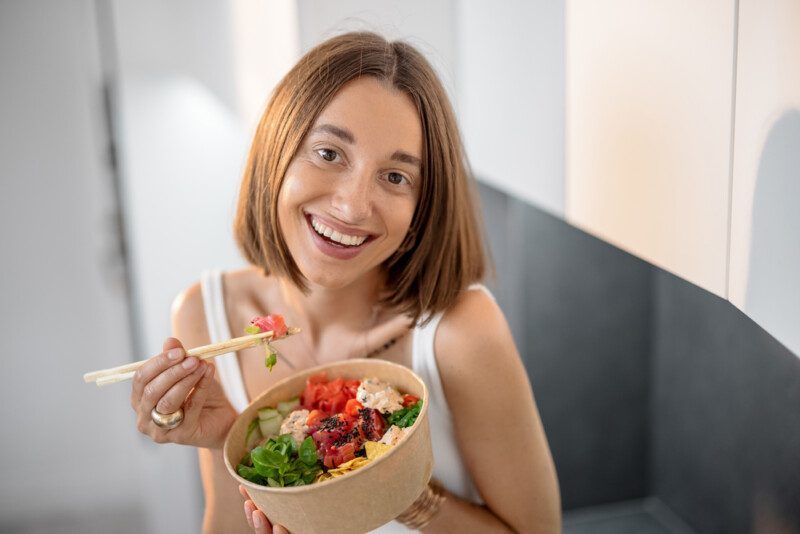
174,354
256,520
189,363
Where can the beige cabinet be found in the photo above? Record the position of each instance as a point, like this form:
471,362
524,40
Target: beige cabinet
648,130
683,143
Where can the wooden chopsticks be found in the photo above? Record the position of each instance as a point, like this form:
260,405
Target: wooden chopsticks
121,373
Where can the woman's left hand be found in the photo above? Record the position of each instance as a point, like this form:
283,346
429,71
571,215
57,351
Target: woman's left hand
257,519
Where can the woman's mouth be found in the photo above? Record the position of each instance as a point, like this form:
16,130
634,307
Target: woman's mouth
335,243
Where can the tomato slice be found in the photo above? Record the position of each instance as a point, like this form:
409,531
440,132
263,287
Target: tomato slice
329,397
313,420
352,407
273,322
409,400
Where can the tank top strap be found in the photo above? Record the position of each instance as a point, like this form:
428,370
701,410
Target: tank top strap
230,374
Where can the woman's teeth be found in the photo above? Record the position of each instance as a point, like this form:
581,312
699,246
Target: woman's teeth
333,235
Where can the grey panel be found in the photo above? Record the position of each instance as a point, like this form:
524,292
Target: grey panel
580,312
726,431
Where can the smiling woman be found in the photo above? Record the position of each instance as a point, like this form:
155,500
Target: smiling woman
356,212
351,191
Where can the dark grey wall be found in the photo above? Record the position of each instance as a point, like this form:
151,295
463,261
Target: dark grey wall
647,385
580,313
726,415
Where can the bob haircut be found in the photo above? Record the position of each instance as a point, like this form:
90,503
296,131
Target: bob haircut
442,253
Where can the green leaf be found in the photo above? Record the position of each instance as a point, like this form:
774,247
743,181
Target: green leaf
271,360
405,417
308,452
274,483
252,329
249,473
288,440
264,456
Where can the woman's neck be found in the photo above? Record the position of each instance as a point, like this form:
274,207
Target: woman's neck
350,308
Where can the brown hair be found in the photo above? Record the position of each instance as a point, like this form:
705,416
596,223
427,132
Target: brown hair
442,252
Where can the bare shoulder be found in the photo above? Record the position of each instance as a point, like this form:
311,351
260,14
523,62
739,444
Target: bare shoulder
474,342
489,396
188,310
189,317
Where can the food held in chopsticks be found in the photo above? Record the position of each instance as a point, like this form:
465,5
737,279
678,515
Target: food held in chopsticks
274,323
331,429
125,372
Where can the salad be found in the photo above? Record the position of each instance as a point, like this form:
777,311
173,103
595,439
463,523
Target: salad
274,323
332,428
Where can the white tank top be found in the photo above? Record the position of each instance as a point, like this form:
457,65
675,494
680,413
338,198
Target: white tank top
448,467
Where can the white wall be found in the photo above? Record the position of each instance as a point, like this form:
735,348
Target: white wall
765,206
429,26
68,449
192,79
511,96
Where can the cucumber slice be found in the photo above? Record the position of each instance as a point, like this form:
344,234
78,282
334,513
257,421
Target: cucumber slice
270,427
253,434
268,413
286,407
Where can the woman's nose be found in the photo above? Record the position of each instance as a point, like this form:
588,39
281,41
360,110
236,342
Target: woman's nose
352,197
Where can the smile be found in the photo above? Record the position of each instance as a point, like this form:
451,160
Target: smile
335,236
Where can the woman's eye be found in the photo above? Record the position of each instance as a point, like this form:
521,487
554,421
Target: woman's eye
327,154
395,178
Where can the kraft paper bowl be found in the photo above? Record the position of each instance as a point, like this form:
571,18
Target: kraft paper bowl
361,500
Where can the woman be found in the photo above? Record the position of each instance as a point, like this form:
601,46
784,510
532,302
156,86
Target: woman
357,214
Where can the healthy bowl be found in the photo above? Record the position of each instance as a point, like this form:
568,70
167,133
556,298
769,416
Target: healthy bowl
361,500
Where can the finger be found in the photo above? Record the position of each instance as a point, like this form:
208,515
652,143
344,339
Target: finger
260,523
243,492
249,508
158,386
193,404
154,366
175,396
279,529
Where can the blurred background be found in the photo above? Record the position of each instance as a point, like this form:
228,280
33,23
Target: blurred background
639,176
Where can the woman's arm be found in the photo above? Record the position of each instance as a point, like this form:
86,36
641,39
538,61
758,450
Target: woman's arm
223,507
497,425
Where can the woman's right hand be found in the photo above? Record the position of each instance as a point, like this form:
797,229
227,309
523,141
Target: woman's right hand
171,381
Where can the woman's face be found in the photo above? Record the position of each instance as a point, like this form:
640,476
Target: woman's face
349,194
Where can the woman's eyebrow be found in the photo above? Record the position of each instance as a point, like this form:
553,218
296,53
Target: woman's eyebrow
342,133
347,136
405,157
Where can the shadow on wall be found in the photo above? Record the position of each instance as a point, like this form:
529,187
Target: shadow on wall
773,285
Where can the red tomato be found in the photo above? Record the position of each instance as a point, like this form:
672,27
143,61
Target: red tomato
313,420
409,400
273,322
329,397
352,407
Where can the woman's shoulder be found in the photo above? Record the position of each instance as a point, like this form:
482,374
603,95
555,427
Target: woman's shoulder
188,307
473,342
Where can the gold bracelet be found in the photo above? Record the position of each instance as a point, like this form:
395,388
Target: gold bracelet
425,508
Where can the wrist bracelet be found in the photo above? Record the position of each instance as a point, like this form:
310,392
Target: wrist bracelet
425,508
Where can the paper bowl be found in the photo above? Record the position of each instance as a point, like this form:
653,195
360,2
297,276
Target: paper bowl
361,500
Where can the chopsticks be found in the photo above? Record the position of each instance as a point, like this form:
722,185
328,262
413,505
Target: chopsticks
121,373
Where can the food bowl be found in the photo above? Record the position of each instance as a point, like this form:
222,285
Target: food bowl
361,500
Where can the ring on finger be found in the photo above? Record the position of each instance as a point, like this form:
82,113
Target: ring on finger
167,421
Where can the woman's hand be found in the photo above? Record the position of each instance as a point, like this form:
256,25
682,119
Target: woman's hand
256,518
171,381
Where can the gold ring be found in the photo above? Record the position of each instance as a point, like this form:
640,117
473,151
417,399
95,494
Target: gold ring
167,421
